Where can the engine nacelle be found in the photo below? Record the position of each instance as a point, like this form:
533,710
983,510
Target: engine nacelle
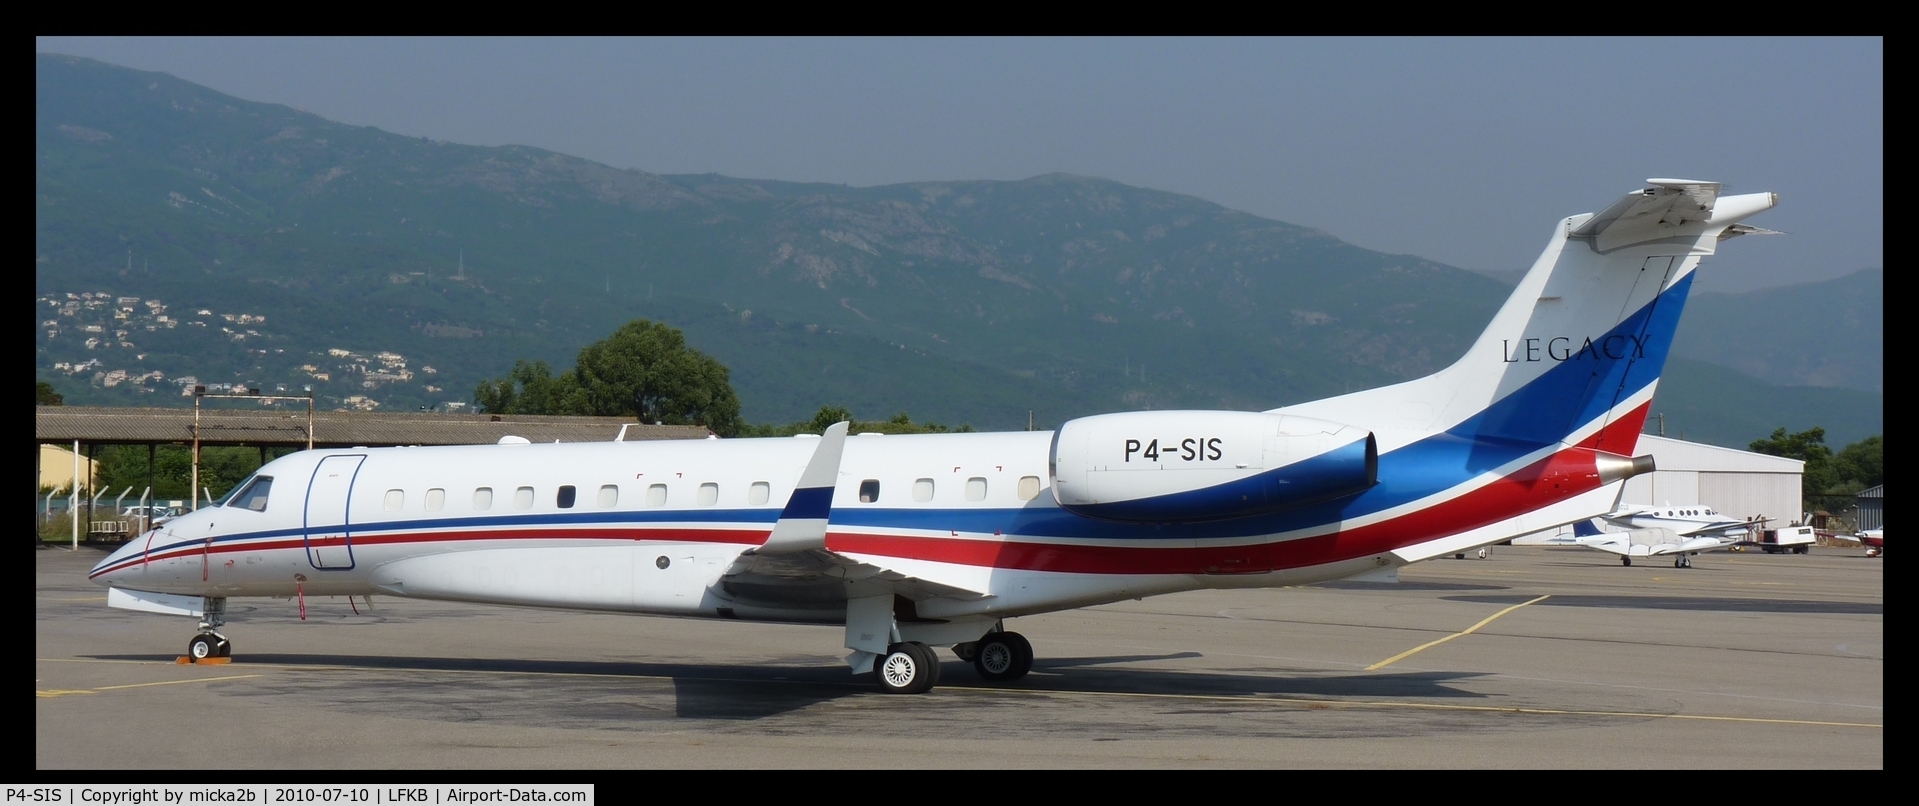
1187,466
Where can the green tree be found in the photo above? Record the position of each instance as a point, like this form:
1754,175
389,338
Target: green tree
826,417
1826,483
1862,464
530,388
43,394
643,370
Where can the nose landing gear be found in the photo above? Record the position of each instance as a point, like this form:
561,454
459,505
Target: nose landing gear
210,643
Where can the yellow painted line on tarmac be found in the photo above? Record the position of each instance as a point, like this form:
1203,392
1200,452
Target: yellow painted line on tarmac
1468,631
1316,705
60,692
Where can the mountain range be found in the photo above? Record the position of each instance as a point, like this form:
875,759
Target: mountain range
985,302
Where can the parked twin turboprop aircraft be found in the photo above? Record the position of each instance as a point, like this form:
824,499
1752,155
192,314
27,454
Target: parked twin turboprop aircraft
921,541
1649,531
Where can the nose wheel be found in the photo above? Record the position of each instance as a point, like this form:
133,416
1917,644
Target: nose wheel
209,645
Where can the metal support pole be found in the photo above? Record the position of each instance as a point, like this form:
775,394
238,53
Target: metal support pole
73,502
193,491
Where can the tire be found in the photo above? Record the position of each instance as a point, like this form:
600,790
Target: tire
1625,561
908,668
203,646
1003,656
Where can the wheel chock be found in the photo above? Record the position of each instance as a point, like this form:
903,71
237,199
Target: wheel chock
184,660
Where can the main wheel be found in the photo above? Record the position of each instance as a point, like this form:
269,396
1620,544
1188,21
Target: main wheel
1003,656
203,646
908,668
1625,561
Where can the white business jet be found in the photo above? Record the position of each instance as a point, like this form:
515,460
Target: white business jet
922,541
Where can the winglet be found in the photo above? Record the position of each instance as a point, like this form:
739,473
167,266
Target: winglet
802,524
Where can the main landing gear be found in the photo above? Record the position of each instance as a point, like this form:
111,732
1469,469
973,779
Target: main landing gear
210,643
1682,561
1003,656
910,667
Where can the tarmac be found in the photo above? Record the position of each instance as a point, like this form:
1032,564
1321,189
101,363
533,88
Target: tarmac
1530,658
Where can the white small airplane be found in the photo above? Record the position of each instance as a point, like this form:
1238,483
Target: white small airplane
921,541
1649,531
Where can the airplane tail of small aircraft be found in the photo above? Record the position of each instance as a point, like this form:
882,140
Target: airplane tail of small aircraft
1574,355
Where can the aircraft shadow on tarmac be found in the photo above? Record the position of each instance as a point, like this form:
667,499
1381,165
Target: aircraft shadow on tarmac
713,691
1696,603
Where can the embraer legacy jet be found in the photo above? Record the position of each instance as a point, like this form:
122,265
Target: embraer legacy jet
922,541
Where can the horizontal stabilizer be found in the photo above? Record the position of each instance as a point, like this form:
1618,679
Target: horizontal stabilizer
1667,208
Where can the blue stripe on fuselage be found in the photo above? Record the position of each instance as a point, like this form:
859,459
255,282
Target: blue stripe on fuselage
809,502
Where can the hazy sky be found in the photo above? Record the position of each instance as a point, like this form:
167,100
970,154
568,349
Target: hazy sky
1464,151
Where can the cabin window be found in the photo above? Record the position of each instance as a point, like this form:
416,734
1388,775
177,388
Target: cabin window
395,499
254,496
922,490
709,494
976,489
869,491
1028,488
565,498
523,498
435,500
483,498
759,492
656,495
609,495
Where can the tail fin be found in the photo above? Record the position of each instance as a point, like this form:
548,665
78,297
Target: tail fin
1575,353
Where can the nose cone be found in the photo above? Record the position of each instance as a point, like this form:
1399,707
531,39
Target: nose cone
115,568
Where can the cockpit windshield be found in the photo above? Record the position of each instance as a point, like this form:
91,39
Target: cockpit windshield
251,495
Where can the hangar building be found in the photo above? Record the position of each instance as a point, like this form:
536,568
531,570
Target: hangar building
1741,484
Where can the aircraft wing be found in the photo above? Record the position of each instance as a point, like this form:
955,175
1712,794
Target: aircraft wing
1727,531
793,568
818,577
1700,544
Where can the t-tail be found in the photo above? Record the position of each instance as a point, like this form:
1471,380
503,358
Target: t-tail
1544,410
1575,354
